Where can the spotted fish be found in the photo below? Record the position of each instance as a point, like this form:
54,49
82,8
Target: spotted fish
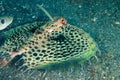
58,42
54,43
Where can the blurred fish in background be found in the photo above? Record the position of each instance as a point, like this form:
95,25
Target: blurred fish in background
5,21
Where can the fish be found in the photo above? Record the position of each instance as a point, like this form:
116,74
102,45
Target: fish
5,21
54,43
46,46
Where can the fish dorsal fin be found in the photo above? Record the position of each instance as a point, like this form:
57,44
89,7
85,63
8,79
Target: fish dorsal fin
29,27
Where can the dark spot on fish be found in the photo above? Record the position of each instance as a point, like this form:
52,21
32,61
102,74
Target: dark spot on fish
85,48
42,60
38,50
32,50
36,47
53,49
48,51
30,46
45,55
78,39
40,37
82,42
33,63
43,51
36,42
72,36
29,58
40,54
37,58
43,46
29,52
49,48
64,55
34,54
51,53
43,41
48,44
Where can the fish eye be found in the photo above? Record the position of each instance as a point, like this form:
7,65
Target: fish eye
62,19
2,21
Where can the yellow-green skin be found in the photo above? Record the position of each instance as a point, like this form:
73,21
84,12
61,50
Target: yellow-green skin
50,34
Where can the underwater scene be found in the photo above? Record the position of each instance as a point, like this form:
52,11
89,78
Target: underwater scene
59,39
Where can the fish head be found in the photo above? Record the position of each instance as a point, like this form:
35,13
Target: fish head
55,28
5,21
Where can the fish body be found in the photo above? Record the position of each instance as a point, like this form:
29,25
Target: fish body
57,43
